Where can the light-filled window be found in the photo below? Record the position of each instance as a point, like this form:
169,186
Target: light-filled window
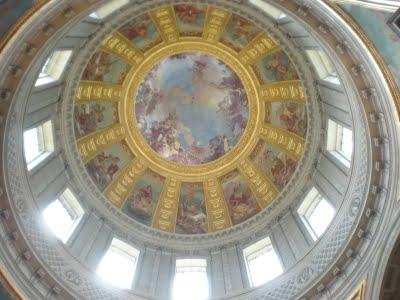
38,144
262,262
323,66
108,8
316,213
63,215
340,142
118,264
268,8
53,67
190,280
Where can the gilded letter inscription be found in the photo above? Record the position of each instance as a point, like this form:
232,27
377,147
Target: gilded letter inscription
98,141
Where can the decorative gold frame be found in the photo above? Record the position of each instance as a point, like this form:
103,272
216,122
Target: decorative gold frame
193,173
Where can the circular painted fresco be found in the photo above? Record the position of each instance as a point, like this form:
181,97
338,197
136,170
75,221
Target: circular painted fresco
191,108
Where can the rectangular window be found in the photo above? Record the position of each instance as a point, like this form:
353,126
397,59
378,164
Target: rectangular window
323,66
268,8
262,262
63,215
54,66
38,144
108,8
316,213
190,280
118,265
340,142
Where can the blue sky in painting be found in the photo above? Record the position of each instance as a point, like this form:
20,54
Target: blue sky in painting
10,11
204,122
374,23
178,73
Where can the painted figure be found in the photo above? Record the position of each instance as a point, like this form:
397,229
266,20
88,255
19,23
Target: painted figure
191,218
290,116
281,66
241,202
239,32
188,14
137,29
104,67
276,164
88,117
142,32
103,168
141,204
191,108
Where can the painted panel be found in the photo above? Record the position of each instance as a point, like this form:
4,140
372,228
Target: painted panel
10,11
289,116
374,24
274,163
241,202
239,32
142,32
91,117
143,201
275,67
107,164
105,67
192,216
190,19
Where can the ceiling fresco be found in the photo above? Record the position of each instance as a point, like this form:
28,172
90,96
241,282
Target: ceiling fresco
191,108
10,11
374,23
190,119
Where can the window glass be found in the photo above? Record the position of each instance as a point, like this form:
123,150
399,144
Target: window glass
33,143
118,265
323,66
316,212
321,216
63,215
190,280
38,144
108,8
269,9
340,142
346,143
53,67
262,262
